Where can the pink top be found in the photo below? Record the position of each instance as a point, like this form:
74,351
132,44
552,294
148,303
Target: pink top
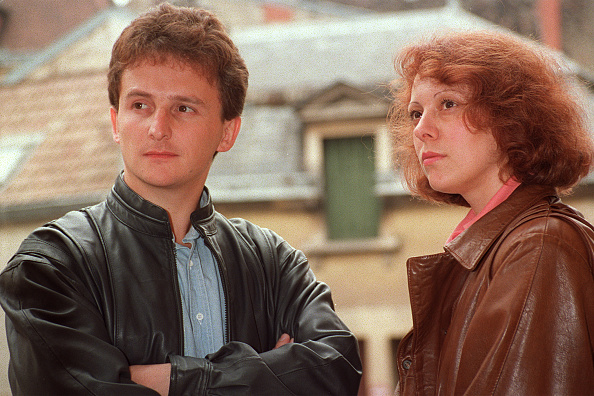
500,196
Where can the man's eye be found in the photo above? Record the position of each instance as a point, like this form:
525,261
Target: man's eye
139,106
184,109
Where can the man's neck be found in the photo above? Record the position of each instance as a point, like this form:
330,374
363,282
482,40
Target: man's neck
179,211
179,205
180,224
179,208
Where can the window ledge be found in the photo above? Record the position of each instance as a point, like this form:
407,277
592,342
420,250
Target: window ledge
322,247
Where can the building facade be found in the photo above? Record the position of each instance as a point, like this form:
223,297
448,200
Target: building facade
313,160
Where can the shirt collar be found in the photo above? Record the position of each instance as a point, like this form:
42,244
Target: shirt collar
501,195
471,245
193,234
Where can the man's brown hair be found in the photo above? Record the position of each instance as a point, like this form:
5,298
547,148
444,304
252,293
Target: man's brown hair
188,35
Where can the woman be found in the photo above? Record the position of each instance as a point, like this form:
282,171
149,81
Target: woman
485,121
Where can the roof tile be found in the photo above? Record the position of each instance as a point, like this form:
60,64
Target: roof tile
77,156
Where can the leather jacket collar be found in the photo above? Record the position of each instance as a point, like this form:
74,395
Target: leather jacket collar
144,216
471,245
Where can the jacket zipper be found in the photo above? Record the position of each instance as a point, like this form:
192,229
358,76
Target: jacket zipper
224,281
180,319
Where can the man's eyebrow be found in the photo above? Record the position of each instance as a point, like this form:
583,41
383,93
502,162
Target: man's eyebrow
188,99
179,98
137,92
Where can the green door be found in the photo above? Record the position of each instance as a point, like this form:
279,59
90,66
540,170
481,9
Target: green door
352,208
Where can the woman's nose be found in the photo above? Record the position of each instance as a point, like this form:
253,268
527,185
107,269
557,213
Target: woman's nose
426,127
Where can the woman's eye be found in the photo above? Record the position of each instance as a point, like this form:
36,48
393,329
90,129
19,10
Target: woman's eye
448,104
415,115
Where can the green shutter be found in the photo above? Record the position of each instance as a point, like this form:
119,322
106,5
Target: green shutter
352,208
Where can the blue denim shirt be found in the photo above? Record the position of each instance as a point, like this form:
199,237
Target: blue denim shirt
202,298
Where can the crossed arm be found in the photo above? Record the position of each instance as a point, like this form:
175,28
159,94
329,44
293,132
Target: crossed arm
53,319
156,376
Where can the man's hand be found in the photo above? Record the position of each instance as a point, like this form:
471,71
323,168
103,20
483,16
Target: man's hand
154,376
283,340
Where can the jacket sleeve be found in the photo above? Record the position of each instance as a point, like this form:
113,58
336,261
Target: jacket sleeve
533,331
323,360
57,338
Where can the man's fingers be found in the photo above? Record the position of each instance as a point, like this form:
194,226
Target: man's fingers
283,340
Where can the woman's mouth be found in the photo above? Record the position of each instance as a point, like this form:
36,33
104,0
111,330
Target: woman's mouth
429,157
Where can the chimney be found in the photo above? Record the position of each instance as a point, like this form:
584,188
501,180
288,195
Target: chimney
277,13
548,13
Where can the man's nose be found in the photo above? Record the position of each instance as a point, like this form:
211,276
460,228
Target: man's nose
160,127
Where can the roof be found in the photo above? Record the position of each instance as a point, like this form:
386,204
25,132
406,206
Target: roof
83,50
64,100
71,114
358,51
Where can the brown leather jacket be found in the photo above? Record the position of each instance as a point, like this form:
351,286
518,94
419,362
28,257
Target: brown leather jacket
508,308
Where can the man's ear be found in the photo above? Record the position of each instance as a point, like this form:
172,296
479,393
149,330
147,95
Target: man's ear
114,124
230,132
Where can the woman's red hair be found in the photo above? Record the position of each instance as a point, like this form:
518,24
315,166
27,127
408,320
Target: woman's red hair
517,92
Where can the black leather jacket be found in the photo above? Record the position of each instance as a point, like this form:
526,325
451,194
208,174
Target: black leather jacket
96,291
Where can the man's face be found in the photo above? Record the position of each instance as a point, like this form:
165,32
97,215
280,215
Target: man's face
169,126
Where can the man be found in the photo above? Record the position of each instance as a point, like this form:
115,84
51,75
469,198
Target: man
153,290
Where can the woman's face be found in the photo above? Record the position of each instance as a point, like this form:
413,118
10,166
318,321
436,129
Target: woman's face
455,159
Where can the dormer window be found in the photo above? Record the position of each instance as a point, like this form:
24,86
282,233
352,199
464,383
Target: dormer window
346,146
